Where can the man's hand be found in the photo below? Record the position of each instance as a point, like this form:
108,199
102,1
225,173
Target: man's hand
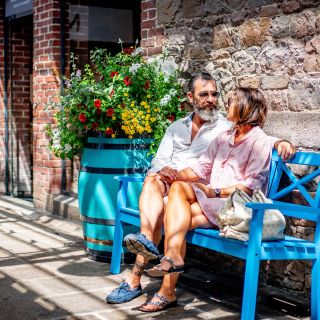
168,173
286,149
208,191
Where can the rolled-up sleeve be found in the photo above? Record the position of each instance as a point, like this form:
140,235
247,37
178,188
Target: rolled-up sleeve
257,169
203,167
164,154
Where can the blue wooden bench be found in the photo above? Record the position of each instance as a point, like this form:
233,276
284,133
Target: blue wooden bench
254,250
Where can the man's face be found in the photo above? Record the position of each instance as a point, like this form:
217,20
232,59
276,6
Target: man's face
205,99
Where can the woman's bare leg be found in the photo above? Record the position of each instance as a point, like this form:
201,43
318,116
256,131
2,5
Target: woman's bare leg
169,282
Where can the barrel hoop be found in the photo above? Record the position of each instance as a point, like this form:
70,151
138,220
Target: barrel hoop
113,170
98,241
107,222
110,146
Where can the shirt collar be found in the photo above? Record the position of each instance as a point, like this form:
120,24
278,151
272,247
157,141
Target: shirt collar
188,119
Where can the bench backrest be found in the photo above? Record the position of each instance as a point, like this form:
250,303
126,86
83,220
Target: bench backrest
276,191
279,168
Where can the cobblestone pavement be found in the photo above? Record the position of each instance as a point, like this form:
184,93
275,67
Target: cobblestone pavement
44,274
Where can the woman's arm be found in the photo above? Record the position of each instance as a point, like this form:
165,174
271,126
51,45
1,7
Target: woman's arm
223,192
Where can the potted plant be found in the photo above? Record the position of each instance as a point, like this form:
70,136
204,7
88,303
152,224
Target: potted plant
115,112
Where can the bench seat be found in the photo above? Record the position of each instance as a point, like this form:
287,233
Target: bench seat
254,250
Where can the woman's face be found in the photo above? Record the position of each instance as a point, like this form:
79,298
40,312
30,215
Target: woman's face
230,106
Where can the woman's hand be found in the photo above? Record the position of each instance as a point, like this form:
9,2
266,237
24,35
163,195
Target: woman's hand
208,191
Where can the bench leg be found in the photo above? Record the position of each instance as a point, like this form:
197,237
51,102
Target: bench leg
249,298
315,290
117,247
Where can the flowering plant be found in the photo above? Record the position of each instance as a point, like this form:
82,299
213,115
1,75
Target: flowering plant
116,96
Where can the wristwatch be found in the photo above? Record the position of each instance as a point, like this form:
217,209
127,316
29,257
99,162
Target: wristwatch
217,191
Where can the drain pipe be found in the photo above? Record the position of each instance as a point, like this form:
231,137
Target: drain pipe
62,72
5,101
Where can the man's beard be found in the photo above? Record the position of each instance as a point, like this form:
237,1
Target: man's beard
206,113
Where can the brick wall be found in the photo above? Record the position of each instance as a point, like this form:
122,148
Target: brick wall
19,58
152,35
46,86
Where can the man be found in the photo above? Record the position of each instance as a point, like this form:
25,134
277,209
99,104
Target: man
184,141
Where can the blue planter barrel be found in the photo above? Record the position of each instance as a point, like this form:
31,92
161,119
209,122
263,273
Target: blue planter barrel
102,159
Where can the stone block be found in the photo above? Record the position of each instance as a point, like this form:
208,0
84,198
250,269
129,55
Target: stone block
293,285
238,17
303,24
311,63
280,26
304,94
296,271
167,10
179,36
301,128
192,8
255,4
313,46
277,99
204,35
223,36
249,82
220,54
254,32
274,82
244,64
290,6
196,52
269,11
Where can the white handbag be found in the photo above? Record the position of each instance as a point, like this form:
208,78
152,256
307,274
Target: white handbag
234,218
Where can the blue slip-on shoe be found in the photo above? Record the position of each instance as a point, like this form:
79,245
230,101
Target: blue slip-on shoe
123,293
139,244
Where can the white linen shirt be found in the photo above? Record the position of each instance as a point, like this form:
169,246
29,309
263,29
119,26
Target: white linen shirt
176,149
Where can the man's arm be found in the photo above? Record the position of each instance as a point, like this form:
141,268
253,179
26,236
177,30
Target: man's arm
164,154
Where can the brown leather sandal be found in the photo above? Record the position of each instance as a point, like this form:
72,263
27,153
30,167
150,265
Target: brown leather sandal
157,271
162,304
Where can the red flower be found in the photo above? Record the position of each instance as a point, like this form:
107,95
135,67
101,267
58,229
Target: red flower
110,112
97,103
82,117
128,50
109,131
171,117
101,78
127,81
111,94
98,111
113,74
95,126
147,85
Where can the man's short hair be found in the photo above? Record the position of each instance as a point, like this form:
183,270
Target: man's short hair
200,75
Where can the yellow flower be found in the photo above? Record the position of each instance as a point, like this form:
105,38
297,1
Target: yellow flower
113,135
113,118
132,104
148,96
125,94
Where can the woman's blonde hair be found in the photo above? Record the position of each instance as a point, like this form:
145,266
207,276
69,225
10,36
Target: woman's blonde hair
251,107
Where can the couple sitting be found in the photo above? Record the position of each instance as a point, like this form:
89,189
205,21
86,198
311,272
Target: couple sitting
201,160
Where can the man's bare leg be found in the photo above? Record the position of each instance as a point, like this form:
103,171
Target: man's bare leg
151,220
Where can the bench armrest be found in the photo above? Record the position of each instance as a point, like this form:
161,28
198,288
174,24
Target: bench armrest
289,209
129,178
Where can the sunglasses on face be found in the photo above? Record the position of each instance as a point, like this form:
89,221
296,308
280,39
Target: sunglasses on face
229,102
204,95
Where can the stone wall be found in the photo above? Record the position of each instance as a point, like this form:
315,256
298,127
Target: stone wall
267,44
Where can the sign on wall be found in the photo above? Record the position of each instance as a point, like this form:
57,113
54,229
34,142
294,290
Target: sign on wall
18,8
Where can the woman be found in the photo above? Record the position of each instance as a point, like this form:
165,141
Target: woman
238,158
